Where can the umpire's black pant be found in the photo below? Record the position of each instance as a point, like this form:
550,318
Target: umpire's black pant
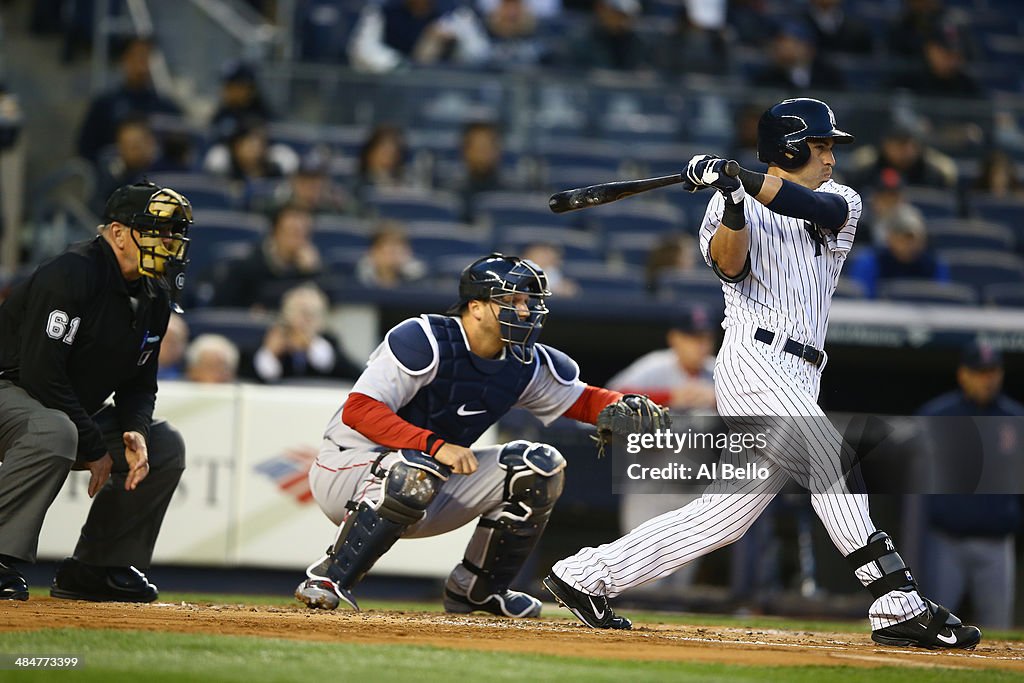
37,450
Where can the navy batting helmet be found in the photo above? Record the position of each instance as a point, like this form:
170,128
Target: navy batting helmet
783,131
499,278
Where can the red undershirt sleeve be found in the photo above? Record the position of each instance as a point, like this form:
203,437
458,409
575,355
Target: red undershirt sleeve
590,403
378,423
660,396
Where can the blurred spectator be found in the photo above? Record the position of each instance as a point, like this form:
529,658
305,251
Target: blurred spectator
211,359
682,375
480,155
133,95
390,261
673,254
997,176
382,160
694,48
906,254
903,150
970,542
882,198
837,31
311,188
135,154
286,258
795,64
748,18
610,40
512,28
541,9
549,257
248,155
921,19
943,73
240,99
744,143
400,32
297,345
171,359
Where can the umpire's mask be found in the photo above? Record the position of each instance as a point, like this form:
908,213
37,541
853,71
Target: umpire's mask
519,288
159,219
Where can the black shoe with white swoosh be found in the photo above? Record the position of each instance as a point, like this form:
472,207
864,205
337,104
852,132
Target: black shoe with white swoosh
934,628
592,610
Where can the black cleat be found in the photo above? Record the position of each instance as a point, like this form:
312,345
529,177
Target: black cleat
934,628
507,603
592,610
75,580
12,584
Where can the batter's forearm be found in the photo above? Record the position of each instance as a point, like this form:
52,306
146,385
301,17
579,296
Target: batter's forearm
729,251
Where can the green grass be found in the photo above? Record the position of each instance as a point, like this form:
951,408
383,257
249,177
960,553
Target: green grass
155,657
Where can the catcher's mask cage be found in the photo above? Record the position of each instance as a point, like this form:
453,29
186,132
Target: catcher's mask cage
519,288
784,129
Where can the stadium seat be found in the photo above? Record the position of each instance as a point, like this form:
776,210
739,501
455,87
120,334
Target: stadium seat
520,208
928,291
414,204
699,284
632,248
433,239
597,280
340,232
1006,210
982,268
933,203
953,233
576,245
641,217
220,234
245,328
203,190
1008,295
849,288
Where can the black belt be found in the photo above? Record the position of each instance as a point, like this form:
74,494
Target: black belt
810,354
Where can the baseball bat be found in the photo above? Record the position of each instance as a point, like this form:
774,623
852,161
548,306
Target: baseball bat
605,193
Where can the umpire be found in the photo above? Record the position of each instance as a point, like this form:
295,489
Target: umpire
87,324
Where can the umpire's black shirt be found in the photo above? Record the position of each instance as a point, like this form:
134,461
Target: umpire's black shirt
76,331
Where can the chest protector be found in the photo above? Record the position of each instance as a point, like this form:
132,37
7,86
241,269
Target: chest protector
469,393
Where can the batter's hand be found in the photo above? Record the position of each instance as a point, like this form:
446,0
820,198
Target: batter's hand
459,458
696,166
137,455
99,471
708,171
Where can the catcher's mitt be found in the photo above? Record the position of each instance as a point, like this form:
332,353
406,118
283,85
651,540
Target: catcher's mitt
633,413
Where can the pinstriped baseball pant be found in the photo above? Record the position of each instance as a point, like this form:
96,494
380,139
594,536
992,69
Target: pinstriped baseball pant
751,379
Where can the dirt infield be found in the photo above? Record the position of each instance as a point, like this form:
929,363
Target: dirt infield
651,642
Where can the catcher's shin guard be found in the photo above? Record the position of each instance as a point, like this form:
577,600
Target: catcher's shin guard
534,477
370,530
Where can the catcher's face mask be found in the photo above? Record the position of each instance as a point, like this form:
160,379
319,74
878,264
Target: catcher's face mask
522,311
161,234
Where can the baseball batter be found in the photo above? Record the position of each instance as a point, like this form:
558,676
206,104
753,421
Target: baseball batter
396,458
778,242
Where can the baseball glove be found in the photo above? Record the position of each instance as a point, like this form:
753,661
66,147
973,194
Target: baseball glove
633,413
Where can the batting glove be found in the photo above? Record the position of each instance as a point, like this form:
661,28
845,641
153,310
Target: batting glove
709,171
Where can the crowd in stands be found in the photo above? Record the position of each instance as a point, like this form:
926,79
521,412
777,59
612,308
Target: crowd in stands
398,203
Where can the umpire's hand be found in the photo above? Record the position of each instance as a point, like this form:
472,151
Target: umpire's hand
137,455
99,471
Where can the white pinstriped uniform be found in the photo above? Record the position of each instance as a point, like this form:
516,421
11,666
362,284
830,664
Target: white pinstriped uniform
788,291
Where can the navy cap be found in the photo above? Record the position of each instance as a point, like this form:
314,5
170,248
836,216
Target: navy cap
981,356
693,320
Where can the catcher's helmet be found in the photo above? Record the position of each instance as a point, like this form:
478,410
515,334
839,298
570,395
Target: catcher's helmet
159,219
783,131
500,278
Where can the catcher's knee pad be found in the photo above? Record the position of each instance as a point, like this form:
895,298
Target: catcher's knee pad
881,551
371,529
534,477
